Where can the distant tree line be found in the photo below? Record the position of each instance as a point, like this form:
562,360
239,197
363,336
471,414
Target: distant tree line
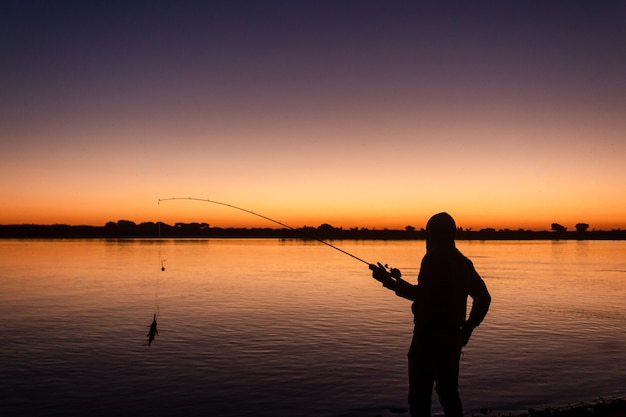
151,230
580,228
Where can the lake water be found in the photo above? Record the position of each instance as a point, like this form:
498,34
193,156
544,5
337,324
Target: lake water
293,328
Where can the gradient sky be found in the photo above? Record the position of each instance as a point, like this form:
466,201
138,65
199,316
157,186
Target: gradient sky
353,113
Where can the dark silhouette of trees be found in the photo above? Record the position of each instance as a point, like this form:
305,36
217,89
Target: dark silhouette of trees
327,228
126,229
582,227
191,228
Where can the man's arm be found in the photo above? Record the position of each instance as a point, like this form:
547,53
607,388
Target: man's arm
481,300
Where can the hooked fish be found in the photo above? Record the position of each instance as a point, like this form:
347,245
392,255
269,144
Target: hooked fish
153,331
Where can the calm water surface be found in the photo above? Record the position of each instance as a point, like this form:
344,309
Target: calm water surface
291,328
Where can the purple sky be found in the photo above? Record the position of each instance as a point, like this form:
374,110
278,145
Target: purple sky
500,112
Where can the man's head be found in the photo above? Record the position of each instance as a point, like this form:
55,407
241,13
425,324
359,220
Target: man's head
440,231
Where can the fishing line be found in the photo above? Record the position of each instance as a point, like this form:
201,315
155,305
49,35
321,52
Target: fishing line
160,241
266,218
156,290
162,267
153,326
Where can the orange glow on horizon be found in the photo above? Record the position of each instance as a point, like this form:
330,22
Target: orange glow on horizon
394,218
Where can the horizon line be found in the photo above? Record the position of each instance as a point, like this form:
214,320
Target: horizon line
323,225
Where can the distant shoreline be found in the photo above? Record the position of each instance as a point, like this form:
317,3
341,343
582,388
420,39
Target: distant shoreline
127,229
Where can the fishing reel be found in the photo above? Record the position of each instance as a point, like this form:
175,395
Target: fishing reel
383,273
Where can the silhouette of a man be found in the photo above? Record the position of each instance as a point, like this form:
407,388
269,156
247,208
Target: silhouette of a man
445,280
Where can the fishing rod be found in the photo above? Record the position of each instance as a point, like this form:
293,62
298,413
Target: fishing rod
269,219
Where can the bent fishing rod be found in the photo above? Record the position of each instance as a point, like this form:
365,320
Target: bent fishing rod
266,218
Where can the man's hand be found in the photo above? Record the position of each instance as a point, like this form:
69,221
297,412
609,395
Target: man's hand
466,333
390,279
380,273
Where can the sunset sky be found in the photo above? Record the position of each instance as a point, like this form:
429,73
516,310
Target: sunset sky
354,113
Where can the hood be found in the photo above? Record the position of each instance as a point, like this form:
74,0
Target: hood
440,231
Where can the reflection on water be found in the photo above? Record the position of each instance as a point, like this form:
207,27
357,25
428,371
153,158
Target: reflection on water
282,328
